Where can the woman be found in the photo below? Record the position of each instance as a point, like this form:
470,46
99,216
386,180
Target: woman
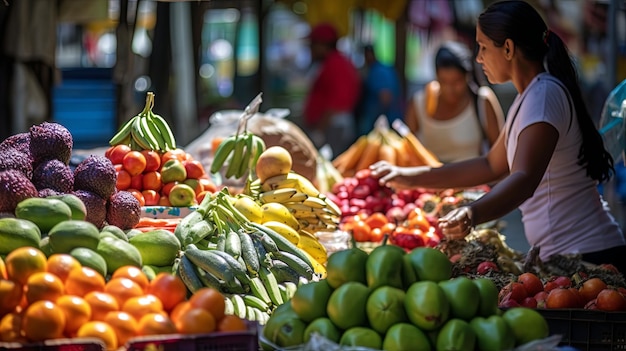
454,116
548,159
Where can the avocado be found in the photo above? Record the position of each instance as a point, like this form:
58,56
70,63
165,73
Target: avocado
123,210
15,188
55,175
50,140
96,174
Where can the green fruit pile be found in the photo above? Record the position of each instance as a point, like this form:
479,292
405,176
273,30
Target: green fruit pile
393,300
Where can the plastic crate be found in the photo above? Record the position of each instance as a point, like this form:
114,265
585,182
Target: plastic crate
587,329
220,341
75,344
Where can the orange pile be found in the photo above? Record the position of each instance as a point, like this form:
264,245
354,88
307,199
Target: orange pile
49,298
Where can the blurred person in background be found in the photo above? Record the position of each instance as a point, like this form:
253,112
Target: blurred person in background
380,93
332,98
456,116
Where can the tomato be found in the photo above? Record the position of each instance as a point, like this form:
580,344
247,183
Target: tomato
562,298
361,231
376,220
531,283
591,288
376,235
610,300
417,219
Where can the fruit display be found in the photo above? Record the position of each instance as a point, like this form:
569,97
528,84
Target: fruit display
390,299
399,147
57,297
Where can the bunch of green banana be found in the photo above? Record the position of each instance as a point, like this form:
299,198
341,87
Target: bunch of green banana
145,131
246,261
312,209
238,153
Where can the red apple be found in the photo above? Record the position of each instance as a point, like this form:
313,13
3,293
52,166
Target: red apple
486,267
194,169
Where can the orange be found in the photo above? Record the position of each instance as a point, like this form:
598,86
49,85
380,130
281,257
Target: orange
136,182
83,280
43,286
164,201
591,288
153,160
168,288
101,303
43,320
167,187
116,155
231,323
209,299
3,269
155,324
134,163
139,306
179,310
138,195
196,320
123,179
133,273
151,181
361,231
61,264
11,328
124,324
376,220
23,262
10,296
208,184
77,312
122,289
151,197
178,154
100,330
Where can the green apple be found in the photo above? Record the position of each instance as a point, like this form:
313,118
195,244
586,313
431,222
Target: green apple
173,170
195,184
527,324
182,195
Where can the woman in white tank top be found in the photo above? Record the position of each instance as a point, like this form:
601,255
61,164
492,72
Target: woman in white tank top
452,116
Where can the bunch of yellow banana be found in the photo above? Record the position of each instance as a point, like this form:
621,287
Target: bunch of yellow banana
312,209
238,153
305,241
146,131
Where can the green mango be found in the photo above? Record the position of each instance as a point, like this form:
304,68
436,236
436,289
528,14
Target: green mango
461,293
492,333
426,305
488,297
346,266
310,300
405,337
384,267
346,306
385,307
456,335
324,327
361,337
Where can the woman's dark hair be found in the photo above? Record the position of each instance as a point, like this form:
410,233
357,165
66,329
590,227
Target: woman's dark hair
520,22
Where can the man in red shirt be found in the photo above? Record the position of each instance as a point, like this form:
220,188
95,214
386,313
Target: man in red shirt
332,98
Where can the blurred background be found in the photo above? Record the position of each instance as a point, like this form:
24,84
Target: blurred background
89,64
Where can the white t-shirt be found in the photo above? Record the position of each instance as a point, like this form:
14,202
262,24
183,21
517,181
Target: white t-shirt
566,214
456,139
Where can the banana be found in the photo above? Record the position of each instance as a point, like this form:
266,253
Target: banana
278,195
299,208
304,232
229,307
318,268
236,158
222,152
314,202
259,147
284,230
239,305
244,165
157,134
290,180
291,288
137,137
314,248
147,133
332,207
165,130
275,211
123,133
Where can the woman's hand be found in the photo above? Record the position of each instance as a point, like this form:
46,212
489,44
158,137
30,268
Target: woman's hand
396,177
457,224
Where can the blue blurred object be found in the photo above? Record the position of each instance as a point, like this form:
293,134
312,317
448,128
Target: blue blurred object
612,126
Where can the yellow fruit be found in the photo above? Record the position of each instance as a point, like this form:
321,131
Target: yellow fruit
249,208
24,262
274,211
100,330
273,161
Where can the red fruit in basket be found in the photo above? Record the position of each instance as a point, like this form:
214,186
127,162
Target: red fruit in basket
361,231
562,298
195,169
134,162
361,191
136,182
591,305
610,300
486,267
557,282
363,173
508,302
151,197
529,302
407,238
541,297
513,290
395,214
151,181
123,180
591,288
609,267
531,283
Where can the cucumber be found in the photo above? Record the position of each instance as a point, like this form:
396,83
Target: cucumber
210,262
233,244
249,254
239,270
283,272
298,265
188,274
271,285
282,243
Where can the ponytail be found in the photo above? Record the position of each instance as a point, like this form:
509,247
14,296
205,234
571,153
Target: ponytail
592,154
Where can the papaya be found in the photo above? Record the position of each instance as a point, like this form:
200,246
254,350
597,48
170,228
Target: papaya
44,246
90,258
70,234
44,212
157,247
115,230
15,233
118,253
77,206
